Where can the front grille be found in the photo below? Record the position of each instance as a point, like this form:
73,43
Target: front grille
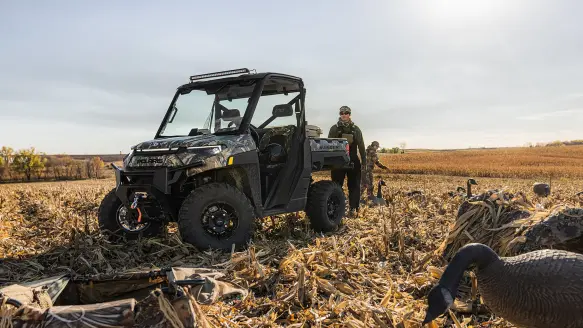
148,161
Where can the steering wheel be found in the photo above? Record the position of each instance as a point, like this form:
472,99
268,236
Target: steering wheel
254,134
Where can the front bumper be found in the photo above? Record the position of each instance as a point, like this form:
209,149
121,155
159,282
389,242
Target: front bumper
157,181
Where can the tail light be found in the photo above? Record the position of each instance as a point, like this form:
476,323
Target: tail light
347,148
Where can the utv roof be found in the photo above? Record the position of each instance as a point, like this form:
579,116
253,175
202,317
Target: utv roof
207,78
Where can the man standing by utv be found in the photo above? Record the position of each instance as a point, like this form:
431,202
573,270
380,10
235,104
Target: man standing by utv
372,159
345,128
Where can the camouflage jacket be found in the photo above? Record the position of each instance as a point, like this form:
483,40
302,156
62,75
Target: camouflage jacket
372,159
354,135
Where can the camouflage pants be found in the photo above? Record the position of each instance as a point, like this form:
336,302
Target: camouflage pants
367,181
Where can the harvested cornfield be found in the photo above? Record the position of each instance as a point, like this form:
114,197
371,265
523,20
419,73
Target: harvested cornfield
519,162
376,271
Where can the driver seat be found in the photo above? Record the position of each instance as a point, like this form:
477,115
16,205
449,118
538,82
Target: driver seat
281,135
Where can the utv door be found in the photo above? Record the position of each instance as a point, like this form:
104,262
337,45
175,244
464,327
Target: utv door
289,190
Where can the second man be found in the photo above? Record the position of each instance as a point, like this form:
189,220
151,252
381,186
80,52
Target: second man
345,128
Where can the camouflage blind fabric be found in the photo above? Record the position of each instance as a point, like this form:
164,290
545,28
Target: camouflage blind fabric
110,314
517,229
562,229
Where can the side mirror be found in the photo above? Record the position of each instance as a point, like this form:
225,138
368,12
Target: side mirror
230,114
283,110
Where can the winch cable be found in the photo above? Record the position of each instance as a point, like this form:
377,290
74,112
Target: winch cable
134,206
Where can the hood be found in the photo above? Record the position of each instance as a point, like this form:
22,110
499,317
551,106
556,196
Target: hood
194,141
229,145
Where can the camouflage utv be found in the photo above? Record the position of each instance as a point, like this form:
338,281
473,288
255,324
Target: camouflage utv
229,150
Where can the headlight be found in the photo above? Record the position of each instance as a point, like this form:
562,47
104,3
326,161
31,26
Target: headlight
209,150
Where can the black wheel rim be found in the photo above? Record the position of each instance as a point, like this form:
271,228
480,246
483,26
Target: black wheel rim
220,220
127,219
333,207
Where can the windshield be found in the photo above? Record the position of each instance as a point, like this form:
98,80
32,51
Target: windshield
216,108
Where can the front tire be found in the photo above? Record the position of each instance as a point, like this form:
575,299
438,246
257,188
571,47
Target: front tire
216,215
121,221
326,206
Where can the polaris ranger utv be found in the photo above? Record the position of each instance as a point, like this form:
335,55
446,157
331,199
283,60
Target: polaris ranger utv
213,170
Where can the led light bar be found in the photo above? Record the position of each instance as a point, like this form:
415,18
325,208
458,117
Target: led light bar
217,74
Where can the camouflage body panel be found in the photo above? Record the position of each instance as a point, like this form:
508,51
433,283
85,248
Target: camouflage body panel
209,163
210,150
328,144
228,141
286,132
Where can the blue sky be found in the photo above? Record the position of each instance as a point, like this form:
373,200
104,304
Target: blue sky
96,77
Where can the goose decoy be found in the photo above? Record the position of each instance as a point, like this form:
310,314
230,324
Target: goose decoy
542,288
414,193
541,189
469,184
379,200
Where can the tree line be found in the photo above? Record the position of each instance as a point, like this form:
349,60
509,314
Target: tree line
30,165
556,143
394,150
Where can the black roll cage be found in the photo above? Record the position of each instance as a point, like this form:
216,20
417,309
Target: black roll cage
260,81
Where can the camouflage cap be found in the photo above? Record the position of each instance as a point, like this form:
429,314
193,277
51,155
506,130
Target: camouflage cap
375,144
345,109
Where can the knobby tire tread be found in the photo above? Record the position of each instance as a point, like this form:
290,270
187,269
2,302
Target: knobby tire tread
317,207
189,216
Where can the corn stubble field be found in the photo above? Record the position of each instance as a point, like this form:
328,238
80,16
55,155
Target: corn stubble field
543,162
376,271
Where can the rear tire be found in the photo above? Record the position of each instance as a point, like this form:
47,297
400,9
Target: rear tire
326,206
110,217
216,215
